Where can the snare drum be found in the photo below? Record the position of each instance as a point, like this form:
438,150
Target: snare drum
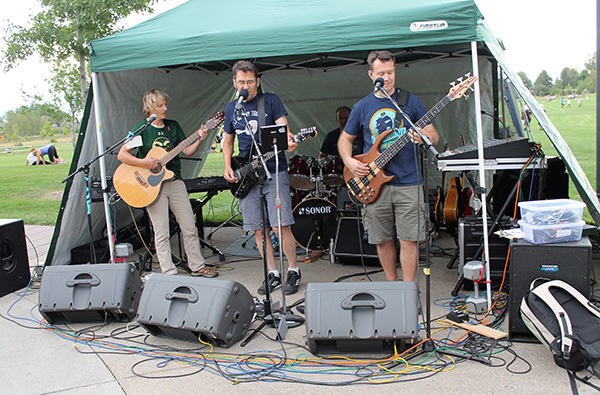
300,170
315,223
332,168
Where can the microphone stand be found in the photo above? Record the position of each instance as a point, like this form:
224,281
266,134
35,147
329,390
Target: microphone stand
284,315
262,176
85,168
428,345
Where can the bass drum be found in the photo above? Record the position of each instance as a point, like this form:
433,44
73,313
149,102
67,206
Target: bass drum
315,223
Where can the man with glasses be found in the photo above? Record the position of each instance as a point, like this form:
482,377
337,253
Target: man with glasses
244,123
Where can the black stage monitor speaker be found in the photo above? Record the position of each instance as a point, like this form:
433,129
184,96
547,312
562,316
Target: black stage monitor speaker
193,308
570,262
14,263
351,242
360,317
90,293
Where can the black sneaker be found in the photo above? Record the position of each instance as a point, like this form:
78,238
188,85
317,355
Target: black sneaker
274,283
292,282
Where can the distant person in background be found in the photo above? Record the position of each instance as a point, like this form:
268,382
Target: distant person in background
32,159
562,103
39,154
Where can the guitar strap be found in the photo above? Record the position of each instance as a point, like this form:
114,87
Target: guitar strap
260,106
402,96
169,135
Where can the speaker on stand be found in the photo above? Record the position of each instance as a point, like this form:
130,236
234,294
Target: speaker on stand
14,263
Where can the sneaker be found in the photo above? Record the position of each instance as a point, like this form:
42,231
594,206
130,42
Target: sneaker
293,281
274,283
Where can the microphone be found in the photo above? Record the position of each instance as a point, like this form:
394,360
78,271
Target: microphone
379,83
132,133
243,94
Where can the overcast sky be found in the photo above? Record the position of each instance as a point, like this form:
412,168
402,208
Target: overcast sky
537,34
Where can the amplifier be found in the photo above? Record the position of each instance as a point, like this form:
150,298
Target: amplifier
569,262
352,243
470,238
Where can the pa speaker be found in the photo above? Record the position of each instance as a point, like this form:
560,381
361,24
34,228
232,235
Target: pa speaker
352,243
193,308
90,293
14,263
569,262
360,317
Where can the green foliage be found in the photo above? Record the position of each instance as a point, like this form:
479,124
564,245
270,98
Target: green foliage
543,84
526,80
60,34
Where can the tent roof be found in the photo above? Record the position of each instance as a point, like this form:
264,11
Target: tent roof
331,31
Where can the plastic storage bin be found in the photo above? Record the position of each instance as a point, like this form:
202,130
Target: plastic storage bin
551,212
543,234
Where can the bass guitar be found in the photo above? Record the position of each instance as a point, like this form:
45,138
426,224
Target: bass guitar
367,188
245,171
139,186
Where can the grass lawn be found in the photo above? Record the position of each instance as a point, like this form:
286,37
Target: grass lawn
34,193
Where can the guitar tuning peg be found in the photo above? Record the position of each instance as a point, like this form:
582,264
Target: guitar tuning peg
453,83
468,75
466,97
459,79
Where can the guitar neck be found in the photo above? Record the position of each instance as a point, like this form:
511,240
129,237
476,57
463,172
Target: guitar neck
177,150
393,149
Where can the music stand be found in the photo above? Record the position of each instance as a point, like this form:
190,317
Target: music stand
273,135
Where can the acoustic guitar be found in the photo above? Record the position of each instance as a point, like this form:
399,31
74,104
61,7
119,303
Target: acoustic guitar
139,186
451,202
367,188
244,170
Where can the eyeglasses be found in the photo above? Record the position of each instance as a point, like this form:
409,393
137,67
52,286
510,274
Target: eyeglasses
242,83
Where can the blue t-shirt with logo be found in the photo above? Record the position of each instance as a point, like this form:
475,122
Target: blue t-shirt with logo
372,116
235,123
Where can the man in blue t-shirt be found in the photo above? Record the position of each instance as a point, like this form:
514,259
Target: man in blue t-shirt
395,213
243,123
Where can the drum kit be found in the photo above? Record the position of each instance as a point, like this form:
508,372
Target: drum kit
315,185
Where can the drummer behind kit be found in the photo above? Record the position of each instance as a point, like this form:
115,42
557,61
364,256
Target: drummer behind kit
317,186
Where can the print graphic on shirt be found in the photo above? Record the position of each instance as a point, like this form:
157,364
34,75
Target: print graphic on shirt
240,124
162,142
383,120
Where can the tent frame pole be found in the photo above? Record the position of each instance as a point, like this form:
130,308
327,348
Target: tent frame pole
479,125
102,165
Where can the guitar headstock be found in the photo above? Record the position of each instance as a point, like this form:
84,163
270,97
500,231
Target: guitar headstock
459,89
215,121
305,133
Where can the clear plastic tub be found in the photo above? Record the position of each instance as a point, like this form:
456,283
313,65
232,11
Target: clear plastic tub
551,212
544,234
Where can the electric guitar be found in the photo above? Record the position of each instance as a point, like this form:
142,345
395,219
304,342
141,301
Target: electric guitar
244,170
139,186
367,188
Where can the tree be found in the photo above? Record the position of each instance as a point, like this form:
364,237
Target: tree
590,65
570,77
526,81
63,30
543,84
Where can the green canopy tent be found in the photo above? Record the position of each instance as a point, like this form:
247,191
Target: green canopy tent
310,52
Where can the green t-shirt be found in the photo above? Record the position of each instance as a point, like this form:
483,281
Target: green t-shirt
158,137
